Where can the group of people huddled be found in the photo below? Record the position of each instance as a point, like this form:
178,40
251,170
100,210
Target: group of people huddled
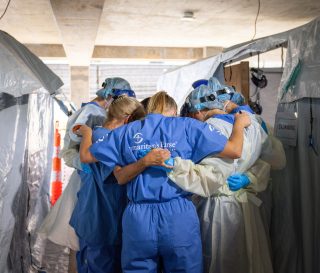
161,192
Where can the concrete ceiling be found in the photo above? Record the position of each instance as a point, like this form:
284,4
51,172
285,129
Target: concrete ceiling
30,22
80,26
218,23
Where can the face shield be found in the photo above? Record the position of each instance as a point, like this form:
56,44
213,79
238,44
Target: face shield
202,98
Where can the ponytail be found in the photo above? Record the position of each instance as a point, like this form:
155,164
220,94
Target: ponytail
125,106
161,102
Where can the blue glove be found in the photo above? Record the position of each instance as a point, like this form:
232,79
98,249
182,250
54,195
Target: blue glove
238,181
142,153
86,168
169,161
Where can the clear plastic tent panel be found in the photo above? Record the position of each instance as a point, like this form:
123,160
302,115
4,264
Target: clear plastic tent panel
24,185
26,150
13,77
295,228
11,161
303,47
21,72
26,145
302,43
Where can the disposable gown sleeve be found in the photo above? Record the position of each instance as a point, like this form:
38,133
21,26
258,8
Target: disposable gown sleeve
206,178
202,179
273,153
72,158
277,158
91,116
258,174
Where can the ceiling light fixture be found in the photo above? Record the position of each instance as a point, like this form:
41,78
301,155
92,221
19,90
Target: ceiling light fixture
188,16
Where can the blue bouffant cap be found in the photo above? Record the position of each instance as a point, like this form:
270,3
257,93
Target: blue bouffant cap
228,94
201,98
111,84
199,82
117,93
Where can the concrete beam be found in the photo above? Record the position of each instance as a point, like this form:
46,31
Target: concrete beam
211,51
52,51
156,53
130,52
78,21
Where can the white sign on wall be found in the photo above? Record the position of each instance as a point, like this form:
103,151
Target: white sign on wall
286,128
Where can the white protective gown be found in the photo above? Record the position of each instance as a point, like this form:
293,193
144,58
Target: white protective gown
90,115
56,226
234,225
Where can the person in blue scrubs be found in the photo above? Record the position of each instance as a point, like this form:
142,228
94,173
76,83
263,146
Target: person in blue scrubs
101,201
56,224
160,221
90,114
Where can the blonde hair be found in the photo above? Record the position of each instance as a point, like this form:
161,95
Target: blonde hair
161,102
125,106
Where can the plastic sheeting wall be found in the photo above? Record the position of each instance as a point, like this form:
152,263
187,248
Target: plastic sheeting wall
296,189
296,197
302,45
26,137
14,127
22,72
25,163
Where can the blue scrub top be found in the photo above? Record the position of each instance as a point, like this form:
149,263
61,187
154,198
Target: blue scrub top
99,132
226,117
242,108
97,215
184,137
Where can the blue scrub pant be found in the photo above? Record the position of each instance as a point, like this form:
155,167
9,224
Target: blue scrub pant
98,258
168,231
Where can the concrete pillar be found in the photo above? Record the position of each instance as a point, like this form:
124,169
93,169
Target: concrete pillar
78,22
79,84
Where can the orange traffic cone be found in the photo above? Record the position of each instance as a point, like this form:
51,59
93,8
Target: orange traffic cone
56,183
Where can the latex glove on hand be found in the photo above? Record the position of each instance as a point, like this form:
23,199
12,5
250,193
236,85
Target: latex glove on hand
86,168
238,181
158,158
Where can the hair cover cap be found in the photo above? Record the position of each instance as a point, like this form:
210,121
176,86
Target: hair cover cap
111,84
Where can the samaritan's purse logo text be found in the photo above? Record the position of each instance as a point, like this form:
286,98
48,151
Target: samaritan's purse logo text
138,138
